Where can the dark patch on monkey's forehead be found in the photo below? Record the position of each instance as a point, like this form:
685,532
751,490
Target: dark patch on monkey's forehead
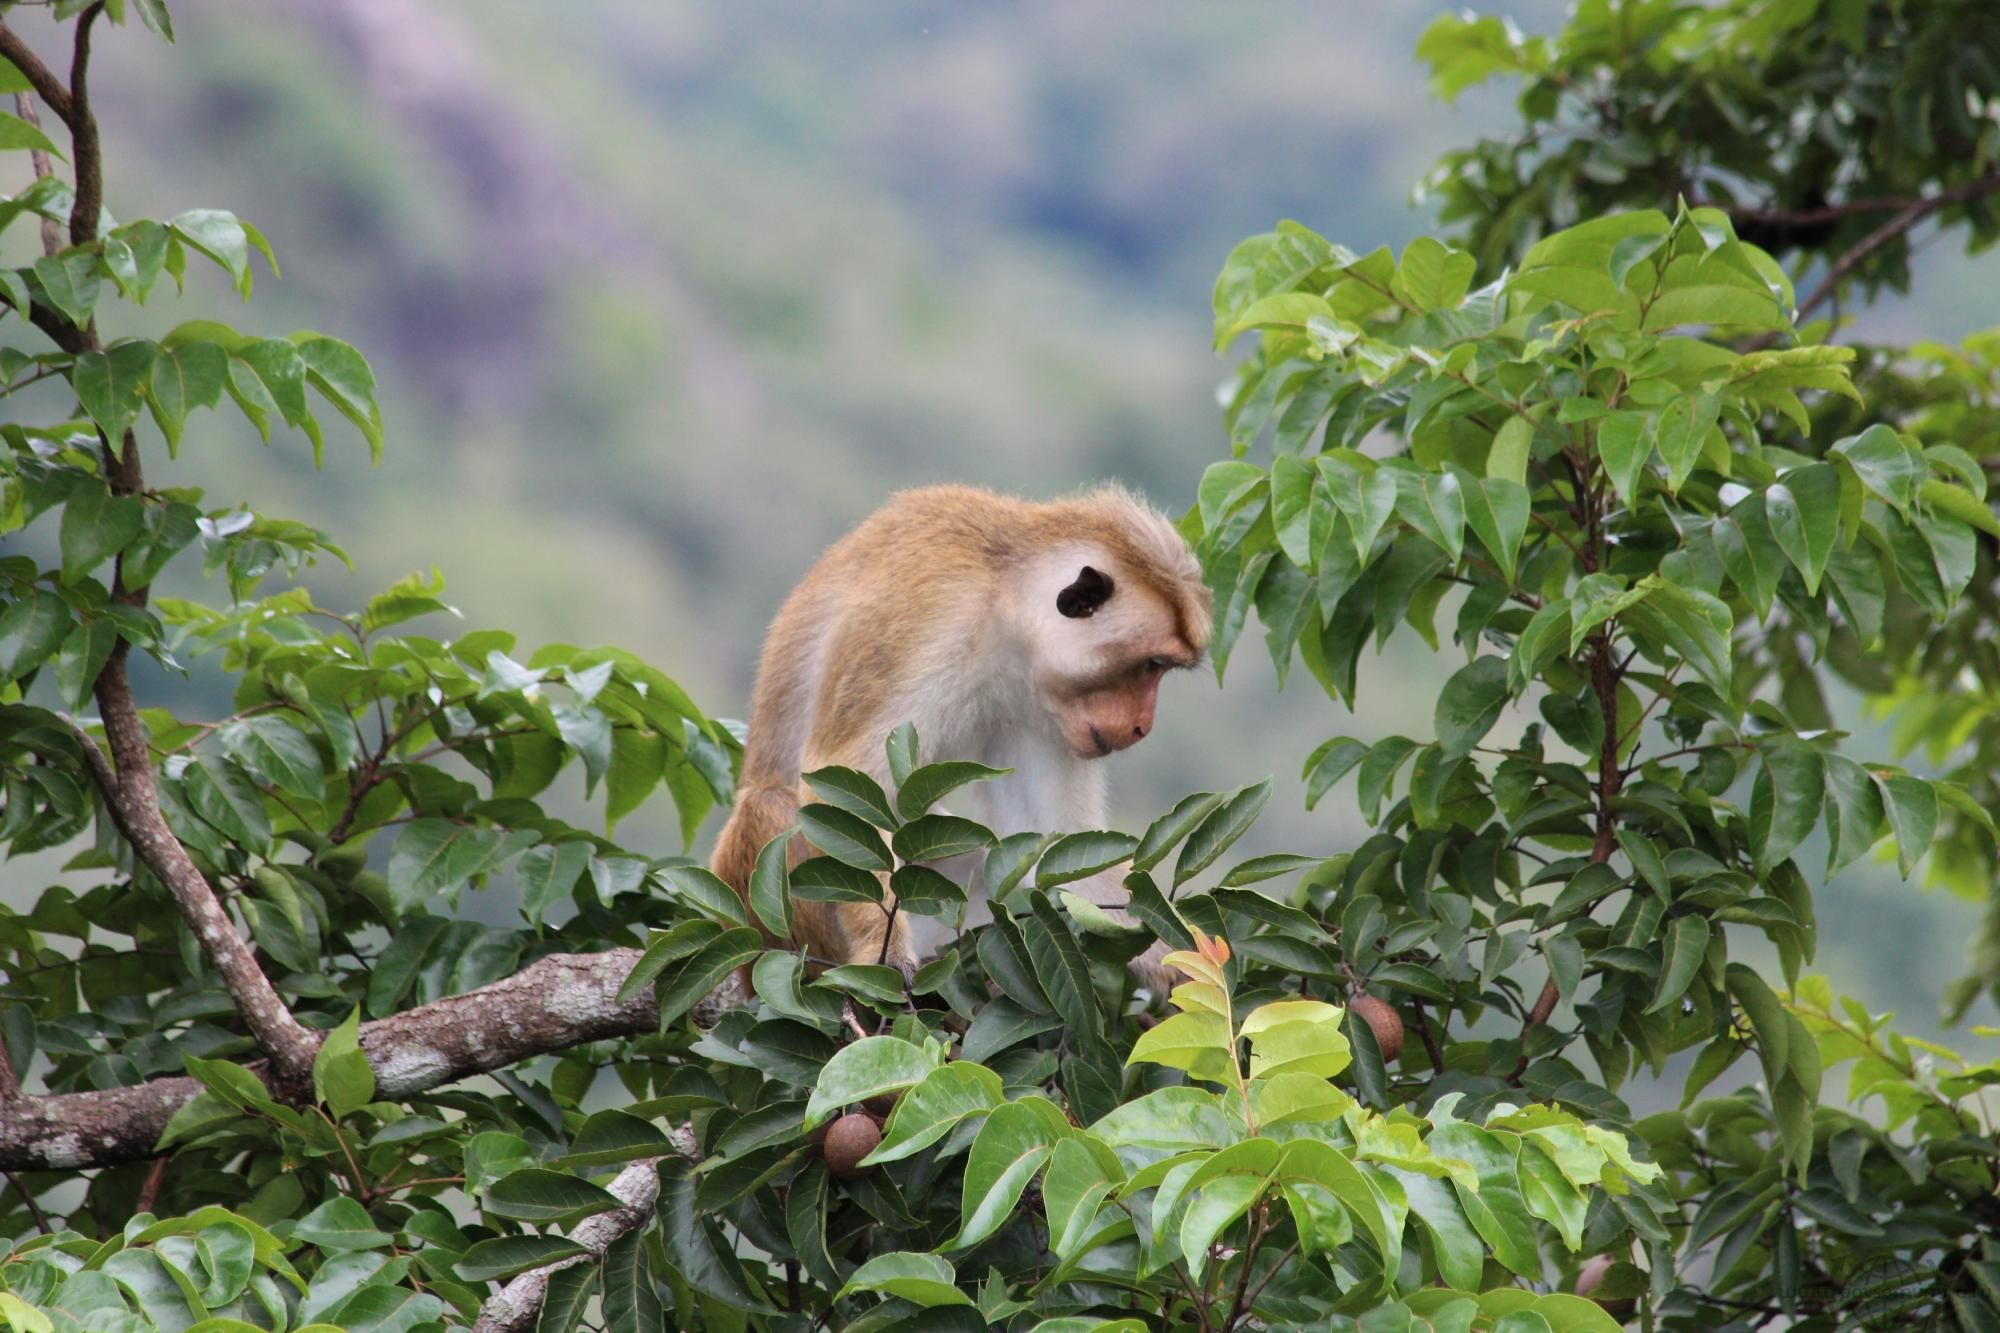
1091,589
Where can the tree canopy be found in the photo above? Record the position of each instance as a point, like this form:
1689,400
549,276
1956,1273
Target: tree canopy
265,1065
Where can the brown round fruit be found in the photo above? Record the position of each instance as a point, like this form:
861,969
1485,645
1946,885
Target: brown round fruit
879,1107
1386,1022
848,1140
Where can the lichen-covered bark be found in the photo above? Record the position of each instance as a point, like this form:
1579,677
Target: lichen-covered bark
561,1001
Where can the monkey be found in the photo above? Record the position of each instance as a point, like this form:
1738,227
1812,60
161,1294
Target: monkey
1029,636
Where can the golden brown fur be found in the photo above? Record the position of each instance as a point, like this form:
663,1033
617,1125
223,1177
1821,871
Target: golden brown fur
937,609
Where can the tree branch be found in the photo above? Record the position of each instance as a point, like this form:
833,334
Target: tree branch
133,798
1916,211
561,1001
39,76
84,156
131,793
516,1306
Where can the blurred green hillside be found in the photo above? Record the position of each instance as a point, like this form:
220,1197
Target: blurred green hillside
666,296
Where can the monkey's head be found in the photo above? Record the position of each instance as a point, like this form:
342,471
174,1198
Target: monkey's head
1111,617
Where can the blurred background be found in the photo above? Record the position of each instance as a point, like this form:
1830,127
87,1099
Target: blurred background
664,297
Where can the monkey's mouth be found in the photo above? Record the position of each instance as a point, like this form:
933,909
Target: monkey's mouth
1097,739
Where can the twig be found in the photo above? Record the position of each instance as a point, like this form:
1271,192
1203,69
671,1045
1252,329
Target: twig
149,1188
34,1209
38,158
1250,1301
1431,1047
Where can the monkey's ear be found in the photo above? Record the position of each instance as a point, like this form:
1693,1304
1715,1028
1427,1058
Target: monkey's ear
1081,599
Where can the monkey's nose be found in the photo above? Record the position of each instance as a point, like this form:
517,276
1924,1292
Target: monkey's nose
1138,733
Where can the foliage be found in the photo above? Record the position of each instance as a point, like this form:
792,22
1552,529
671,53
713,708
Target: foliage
1830,132
1650,507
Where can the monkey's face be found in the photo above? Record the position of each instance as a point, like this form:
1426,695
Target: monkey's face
1106,651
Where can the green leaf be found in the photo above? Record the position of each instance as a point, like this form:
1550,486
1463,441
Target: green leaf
1623,445
852,790
1854,812
1913,811
342,1077
939,837
612,1138
1220,829
1785,797
1959,503
69,282
1295,1037
1804,510
277,752
1883,464
32,627
921,1279
224,796
17,134
184,376
1697,627
868,1068
436,856
1197,1041
631,1302
704,891
935,1107
1366,497
770,887
1434,504
1433,276
111,386
902,753
844,836
1078,855
1497,512
97,525
341,376
538,1194
924,787
340,1224
81,660
1686,947
503,1257
1507,460
1470,704
1682,433
1081,1174
1164,833
549,873
1006,1154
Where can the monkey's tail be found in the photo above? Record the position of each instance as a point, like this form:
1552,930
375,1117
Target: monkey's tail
763,810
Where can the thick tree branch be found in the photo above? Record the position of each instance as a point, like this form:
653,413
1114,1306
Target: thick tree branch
84,155
637,1187
561,1001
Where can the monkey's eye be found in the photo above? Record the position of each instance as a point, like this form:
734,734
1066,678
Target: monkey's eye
1155,665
